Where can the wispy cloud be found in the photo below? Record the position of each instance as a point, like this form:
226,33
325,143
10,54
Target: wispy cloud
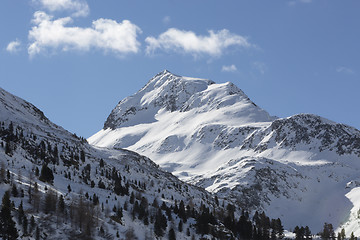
230,68
260,67
188,42
49,34
294,2
166,20
79,8
13,46
345,70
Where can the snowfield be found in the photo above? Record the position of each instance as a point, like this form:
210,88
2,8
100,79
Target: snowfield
212,135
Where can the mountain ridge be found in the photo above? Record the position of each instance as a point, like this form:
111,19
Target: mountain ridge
211,137
74,190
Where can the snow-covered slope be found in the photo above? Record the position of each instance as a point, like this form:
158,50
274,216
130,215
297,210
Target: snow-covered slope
213,135
26,115
82,173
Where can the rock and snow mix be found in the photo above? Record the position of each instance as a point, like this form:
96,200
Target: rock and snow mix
63,187
212,135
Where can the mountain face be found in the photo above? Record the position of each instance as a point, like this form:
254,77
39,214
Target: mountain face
303,169
63,187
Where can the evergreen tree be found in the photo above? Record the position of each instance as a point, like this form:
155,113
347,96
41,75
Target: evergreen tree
188,232
182,213
307,233
132,198
2,172
352,237
342,234
46,174
61,204
101,163
50,202
172,235
339,236
8,230
328,231
180,226
14,191
37,233
118,189
25,224
21,213
82,156
160,223
299,232
8,150
32,223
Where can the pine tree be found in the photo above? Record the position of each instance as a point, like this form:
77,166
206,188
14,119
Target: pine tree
32,223
25,225
14,191
61,204
8,230
352,237
21,213
182,213
2,172
307,233
82,156
8,148
339,236
46,174
37,233
172,235
342,234
132,198
160,223
50,202
180,226
328,231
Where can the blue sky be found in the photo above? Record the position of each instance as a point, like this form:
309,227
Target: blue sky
76,59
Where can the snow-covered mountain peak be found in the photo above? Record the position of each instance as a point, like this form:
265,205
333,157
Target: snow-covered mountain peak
173,93
214,136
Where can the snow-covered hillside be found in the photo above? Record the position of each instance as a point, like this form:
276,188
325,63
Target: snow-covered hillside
70,189
301,168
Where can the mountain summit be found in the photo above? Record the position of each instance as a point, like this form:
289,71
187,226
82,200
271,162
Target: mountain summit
169,92
303,168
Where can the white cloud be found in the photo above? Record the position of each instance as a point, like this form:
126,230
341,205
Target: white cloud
188,42
13,46
230,68
105,34
166,20
78,7
345,70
